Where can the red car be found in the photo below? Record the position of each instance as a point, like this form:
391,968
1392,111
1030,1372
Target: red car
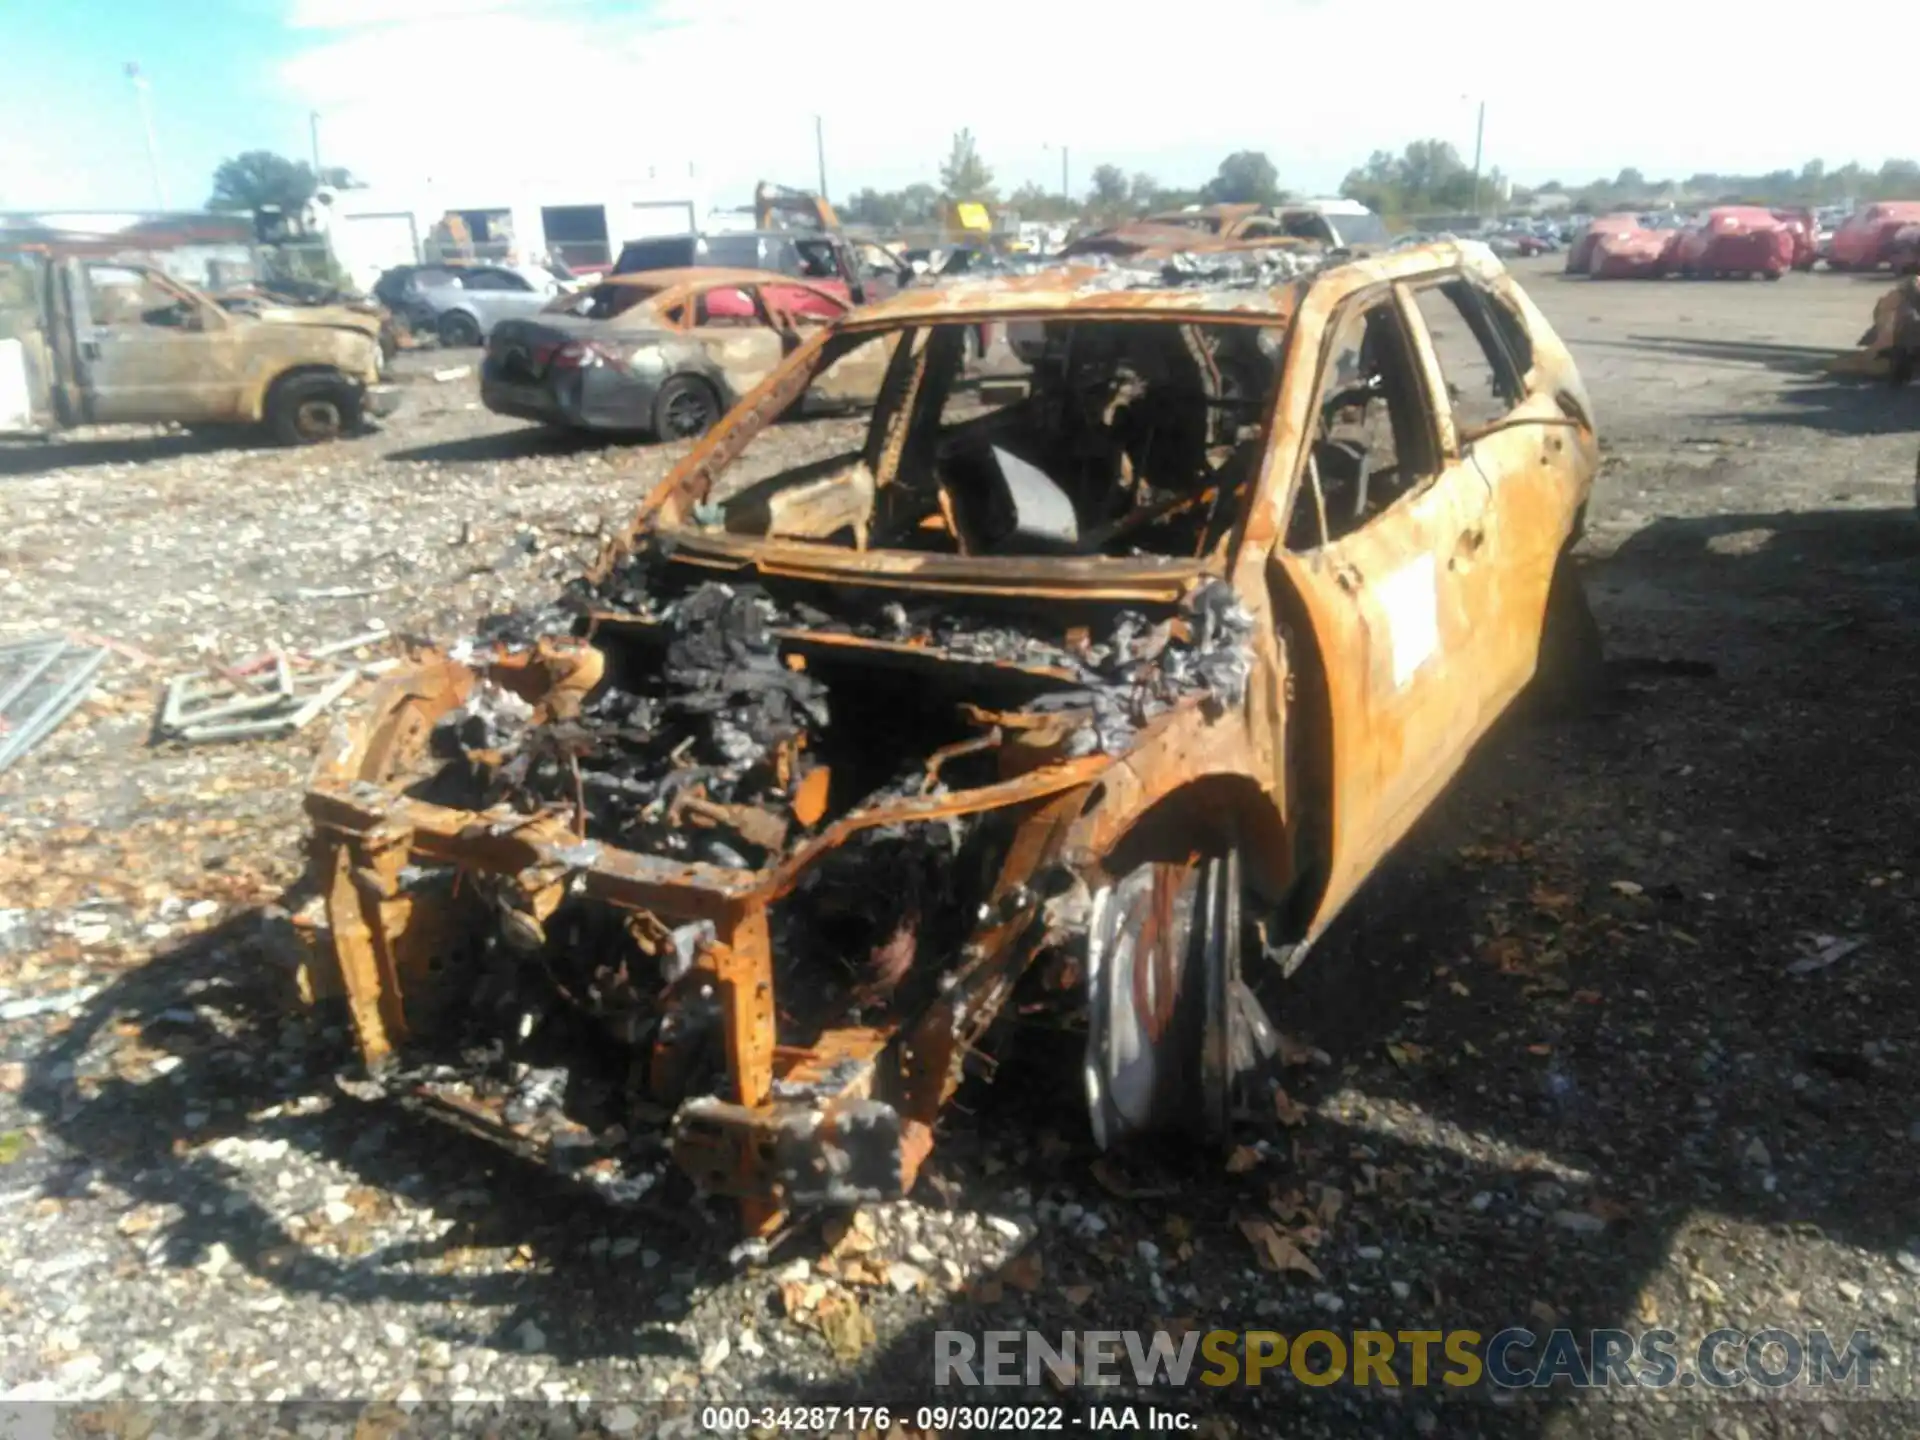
1805,231
1903,251
1734,240
1864,238
1636,254
1580,253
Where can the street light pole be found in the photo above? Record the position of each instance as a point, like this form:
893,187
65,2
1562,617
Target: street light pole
820,153
1479,134
313,133
1066,191
139,83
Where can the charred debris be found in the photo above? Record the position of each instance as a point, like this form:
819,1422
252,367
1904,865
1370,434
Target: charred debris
733,726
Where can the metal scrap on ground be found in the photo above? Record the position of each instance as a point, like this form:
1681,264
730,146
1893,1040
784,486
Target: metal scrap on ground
268,696
42,681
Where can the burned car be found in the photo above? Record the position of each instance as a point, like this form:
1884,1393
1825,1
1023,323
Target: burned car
1102,692
664,352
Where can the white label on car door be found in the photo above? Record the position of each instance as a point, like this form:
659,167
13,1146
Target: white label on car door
16,405
1411,601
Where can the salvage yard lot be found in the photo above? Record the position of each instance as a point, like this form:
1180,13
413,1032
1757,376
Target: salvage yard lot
1625,1036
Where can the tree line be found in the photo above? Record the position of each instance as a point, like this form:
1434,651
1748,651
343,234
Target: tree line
1112,194
1428,177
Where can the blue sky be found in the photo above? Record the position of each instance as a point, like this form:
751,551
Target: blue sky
558,93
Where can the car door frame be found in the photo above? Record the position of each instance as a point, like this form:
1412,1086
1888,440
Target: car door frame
1529,459
199,386
707,337
1391,626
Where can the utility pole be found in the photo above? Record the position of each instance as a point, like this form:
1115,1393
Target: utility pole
1479,133
313,133
139,83
1066,192
820,152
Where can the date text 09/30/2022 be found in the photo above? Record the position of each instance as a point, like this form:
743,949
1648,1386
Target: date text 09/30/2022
945,1419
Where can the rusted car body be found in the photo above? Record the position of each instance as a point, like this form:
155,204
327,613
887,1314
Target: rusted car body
1890,348
1733,240
1064,697
1580,252
92,340
662,352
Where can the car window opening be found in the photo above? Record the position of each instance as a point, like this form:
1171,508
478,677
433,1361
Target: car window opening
1373,442
1125,439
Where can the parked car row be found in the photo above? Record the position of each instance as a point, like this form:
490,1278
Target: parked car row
1730,240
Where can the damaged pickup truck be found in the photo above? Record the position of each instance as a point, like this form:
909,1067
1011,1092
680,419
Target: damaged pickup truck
1098,690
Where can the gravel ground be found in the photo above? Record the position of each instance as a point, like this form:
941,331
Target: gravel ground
1624,1036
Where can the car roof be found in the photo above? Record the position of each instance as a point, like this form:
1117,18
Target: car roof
703,276
674,286
1135,292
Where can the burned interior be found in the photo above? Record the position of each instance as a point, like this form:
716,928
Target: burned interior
1128,438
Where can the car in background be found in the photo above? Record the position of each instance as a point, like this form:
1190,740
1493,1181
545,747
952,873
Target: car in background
663,353
1522,242
1639,254
462,303
861,273
1804,229
1903,250
1580,252
1733,240
1864,239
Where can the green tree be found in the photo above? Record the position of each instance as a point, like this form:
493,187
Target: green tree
1107,198
259,178
1244,177
964,175
1142,191
1033,201
870,207
919,204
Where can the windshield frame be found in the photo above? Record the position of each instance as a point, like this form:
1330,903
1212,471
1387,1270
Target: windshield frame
668,510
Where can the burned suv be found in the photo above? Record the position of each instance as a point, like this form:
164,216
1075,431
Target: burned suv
1093,690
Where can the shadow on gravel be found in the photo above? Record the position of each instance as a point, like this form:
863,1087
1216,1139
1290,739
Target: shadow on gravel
38,457
246,1062
502,445
1577,1023
1791,359
1837,407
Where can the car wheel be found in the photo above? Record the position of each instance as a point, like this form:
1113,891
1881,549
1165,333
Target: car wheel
313,409
685,408
1571,669
459,330
1162,980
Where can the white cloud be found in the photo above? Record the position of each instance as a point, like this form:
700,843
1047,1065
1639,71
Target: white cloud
519,91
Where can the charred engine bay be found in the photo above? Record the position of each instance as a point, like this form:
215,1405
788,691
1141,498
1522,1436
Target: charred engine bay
732,725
